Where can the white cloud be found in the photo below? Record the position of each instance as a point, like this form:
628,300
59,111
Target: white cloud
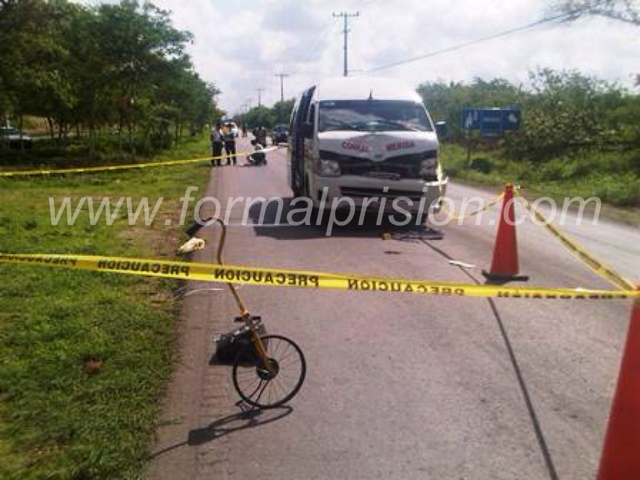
240,45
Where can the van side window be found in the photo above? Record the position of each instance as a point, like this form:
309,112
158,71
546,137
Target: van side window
304,106
294,115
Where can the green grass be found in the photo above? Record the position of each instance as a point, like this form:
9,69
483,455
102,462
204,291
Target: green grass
57,420
110,150
613,177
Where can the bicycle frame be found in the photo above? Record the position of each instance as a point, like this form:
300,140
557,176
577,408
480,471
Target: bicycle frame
245,314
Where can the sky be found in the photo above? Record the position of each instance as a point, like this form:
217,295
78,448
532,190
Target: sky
241,45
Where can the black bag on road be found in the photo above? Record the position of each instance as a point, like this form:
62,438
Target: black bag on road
236,344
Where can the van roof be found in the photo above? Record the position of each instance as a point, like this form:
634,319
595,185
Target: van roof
363,88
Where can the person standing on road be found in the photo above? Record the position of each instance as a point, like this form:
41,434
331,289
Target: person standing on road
261,136
230,146
216,144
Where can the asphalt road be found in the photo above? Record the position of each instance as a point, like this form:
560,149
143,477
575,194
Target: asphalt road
402,386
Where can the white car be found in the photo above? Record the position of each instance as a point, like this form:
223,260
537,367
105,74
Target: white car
14,138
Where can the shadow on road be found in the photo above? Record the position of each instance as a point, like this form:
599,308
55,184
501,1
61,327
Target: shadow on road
278,219
247,418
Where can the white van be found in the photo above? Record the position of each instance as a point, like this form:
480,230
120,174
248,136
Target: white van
364,138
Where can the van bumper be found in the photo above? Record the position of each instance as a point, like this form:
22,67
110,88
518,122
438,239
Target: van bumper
412,195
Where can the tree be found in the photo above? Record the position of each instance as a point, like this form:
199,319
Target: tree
563,112
627,11
260,117
569,112
31,54
282,110
445,101
135,41
97,67
182,99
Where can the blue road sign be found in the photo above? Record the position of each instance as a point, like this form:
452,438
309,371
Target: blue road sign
470,119
510,119
491,122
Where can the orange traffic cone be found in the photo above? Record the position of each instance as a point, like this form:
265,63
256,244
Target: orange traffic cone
620,459
504,265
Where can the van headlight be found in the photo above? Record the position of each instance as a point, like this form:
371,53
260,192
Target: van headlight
428,167
329,168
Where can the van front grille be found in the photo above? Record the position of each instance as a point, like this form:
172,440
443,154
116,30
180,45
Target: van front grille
394,168
359,192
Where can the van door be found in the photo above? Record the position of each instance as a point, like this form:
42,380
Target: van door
298,143
291,150
310,151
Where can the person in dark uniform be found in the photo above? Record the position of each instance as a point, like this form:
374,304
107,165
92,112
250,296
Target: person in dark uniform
216,144
261,136
230,145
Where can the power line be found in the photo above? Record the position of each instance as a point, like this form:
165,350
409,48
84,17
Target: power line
314,46
345,16
479,40
323,33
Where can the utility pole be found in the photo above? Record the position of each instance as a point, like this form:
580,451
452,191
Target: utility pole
259,90
247,106
281,75
345,16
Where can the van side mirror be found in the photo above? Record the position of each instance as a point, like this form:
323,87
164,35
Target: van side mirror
306,130
441,129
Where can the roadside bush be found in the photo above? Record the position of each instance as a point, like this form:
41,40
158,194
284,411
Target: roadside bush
619,190
481,164
453,158
562,168
523,172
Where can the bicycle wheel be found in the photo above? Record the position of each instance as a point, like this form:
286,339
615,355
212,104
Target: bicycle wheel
261,388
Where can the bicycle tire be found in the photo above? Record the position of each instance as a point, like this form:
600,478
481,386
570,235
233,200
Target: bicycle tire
259,388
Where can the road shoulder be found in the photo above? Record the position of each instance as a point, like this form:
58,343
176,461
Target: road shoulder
198,394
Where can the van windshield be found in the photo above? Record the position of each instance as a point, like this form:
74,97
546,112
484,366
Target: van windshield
373,116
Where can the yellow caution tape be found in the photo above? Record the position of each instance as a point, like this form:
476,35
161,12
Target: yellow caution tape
107,168
302,279
593,263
